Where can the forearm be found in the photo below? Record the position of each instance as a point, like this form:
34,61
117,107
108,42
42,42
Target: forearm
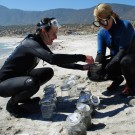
72,66
119,55
56,59
115,62
67,58
100,58
45,54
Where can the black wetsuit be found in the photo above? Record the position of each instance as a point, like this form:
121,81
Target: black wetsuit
128,66
18,77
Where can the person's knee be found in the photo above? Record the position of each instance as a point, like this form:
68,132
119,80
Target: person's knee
51,73
126,61
32,84
3,93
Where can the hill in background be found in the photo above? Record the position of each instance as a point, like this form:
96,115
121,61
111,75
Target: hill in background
15,22
64,16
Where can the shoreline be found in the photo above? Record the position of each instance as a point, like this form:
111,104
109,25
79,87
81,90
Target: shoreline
10,39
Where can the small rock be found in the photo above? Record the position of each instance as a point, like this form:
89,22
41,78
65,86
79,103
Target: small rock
132,102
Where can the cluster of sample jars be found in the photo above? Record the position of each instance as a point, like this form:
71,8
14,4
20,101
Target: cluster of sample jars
78,122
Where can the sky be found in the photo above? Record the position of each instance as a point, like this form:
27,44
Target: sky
42,5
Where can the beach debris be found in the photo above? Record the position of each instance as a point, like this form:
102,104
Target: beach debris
132,102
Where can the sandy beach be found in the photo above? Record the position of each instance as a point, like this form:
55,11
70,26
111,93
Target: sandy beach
114,115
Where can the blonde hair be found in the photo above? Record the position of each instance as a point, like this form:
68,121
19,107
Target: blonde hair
103,9
106,10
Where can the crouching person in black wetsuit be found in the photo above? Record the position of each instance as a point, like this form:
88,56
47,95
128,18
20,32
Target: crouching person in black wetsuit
20,80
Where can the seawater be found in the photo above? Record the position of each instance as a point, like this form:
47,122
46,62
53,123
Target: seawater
6,49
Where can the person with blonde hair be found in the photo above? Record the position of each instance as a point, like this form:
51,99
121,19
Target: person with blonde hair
117,35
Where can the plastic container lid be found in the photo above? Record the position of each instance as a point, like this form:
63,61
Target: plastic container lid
84,97
50,88
74,119
95,100
65,87
83,107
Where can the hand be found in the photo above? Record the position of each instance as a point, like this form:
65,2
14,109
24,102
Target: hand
86,67
89,59
112,65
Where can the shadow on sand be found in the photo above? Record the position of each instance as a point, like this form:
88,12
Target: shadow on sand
65,108
113,98
61,113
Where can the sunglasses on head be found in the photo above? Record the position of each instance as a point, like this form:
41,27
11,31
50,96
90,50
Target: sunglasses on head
103,22
53,23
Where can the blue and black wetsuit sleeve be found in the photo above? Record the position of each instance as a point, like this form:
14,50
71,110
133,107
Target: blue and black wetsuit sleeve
125,42
101,45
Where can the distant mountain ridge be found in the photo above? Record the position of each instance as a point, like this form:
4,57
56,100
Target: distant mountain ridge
65,16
